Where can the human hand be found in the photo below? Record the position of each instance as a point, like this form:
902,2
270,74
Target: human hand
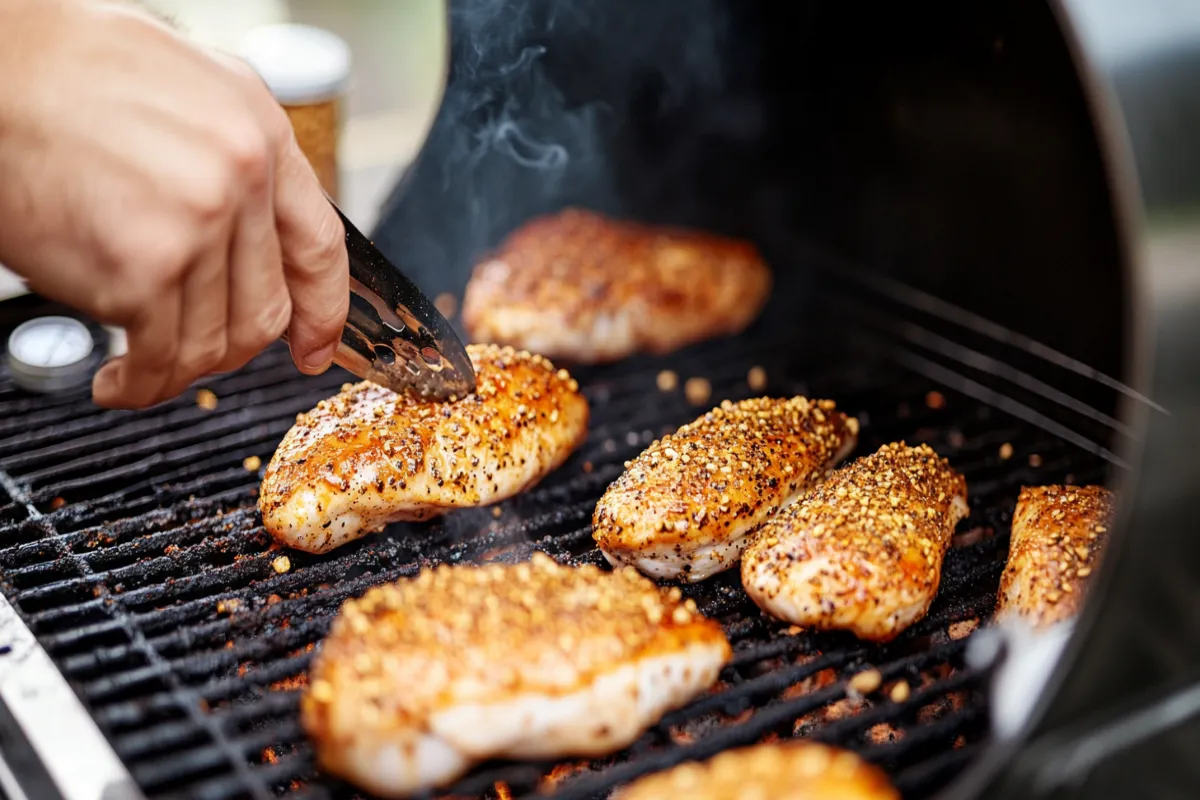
158,187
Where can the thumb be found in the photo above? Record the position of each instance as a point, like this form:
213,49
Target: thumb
316,267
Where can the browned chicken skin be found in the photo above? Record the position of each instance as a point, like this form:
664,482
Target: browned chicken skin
580,286
1058,536
420,679
683,508
862,551
792,770
368,457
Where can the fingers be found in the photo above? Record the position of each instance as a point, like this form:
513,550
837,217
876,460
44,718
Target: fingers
310,239
260,308
139,378
204,316
315,264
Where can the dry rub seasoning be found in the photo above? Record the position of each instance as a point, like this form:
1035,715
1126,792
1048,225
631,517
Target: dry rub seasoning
308,71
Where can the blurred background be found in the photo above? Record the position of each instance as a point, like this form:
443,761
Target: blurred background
398,56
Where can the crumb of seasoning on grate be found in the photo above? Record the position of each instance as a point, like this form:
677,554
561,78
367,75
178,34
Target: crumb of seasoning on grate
269,756
446,304
883,733
281,564
1035,459
935,400
496,512
899,692
756,379
206,399
963,628
865,682
501,791
667,381
587,466
956,439
228,606
1006,451
697,390
252,464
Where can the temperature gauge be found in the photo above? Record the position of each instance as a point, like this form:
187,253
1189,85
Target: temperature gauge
51,354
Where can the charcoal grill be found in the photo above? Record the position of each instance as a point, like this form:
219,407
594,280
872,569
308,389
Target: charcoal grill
926,182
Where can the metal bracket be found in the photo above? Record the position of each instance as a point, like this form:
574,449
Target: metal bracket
50,747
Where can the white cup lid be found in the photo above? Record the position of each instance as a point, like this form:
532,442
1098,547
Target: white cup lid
299,63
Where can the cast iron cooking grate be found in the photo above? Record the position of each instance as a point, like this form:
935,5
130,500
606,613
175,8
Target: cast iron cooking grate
131,546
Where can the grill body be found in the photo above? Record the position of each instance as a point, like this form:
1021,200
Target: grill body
955,199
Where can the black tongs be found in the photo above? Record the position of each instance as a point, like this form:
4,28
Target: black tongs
394,336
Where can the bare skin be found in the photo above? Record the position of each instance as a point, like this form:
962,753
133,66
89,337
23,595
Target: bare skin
156,186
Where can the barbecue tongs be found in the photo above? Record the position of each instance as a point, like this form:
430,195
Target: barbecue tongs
394,336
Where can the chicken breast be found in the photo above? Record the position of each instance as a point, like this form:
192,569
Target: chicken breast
862,551
369,457
580,286
1058,535
420,679
684,507
792,770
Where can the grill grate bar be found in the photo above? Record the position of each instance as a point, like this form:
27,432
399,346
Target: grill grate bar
238,765
123,583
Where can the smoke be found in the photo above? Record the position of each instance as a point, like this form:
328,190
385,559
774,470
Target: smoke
545,102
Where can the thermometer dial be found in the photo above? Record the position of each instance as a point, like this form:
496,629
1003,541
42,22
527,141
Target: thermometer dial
51,354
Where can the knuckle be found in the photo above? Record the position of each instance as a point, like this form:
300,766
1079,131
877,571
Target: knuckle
113,306
204,358
145,259
329,248
264,327
325,321
249,158
211,197
271,323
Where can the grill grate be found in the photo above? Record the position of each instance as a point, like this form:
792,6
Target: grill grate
132,549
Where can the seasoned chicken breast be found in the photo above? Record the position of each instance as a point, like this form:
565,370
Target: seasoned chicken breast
1058,535
862,551
683,508
421,679
580,286
792,770
368,457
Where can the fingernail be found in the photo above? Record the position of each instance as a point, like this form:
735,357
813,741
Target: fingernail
320,358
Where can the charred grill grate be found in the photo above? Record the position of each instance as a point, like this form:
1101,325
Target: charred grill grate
130,545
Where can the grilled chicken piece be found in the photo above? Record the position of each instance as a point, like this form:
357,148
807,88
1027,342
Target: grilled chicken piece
863,551
368,457
580,286
792,770
684,507
1058,535
419,680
